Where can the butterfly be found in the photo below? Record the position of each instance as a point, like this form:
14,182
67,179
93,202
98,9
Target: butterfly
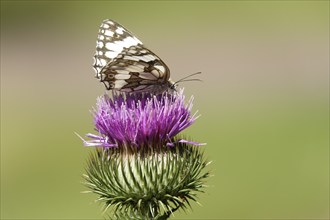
123,63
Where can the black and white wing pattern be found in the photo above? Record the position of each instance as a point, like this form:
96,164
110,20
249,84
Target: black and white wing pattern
122,63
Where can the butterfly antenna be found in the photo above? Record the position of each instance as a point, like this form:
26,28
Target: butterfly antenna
183,79
190,80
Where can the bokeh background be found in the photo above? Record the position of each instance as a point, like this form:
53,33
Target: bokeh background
263,100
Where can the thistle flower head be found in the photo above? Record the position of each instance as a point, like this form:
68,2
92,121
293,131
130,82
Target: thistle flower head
140,119
136,172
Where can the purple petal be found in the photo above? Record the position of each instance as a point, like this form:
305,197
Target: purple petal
139,118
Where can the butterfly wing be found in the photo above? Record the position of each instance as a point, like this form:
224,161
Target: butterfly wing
122,63
111,40
136,69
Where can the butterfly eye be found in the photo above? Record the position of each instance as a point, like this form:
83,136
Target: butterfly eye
173,86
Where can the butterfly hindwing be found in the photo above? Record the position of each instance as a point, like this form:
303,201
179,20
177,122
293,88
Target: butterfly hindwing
135,69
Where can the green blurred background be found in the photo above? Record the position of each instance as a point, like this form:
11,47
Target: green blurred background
263,100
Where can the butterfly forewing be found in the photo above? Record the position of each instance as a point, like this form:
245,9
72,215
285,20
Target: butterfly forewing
111,40
123,63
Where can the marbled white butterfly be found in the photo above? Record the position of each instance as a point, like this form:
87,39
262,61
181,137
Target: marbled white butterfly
122,63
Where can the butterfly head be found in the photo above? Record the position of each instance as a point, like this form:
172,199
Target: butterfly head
172,85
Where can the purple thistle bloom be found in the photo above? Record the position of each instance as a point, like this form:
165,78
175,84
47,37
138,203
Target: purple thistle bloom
140,119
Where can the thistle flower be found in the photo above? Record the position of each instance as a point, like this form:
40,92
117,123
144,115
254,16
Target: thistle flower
140,119
144,170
